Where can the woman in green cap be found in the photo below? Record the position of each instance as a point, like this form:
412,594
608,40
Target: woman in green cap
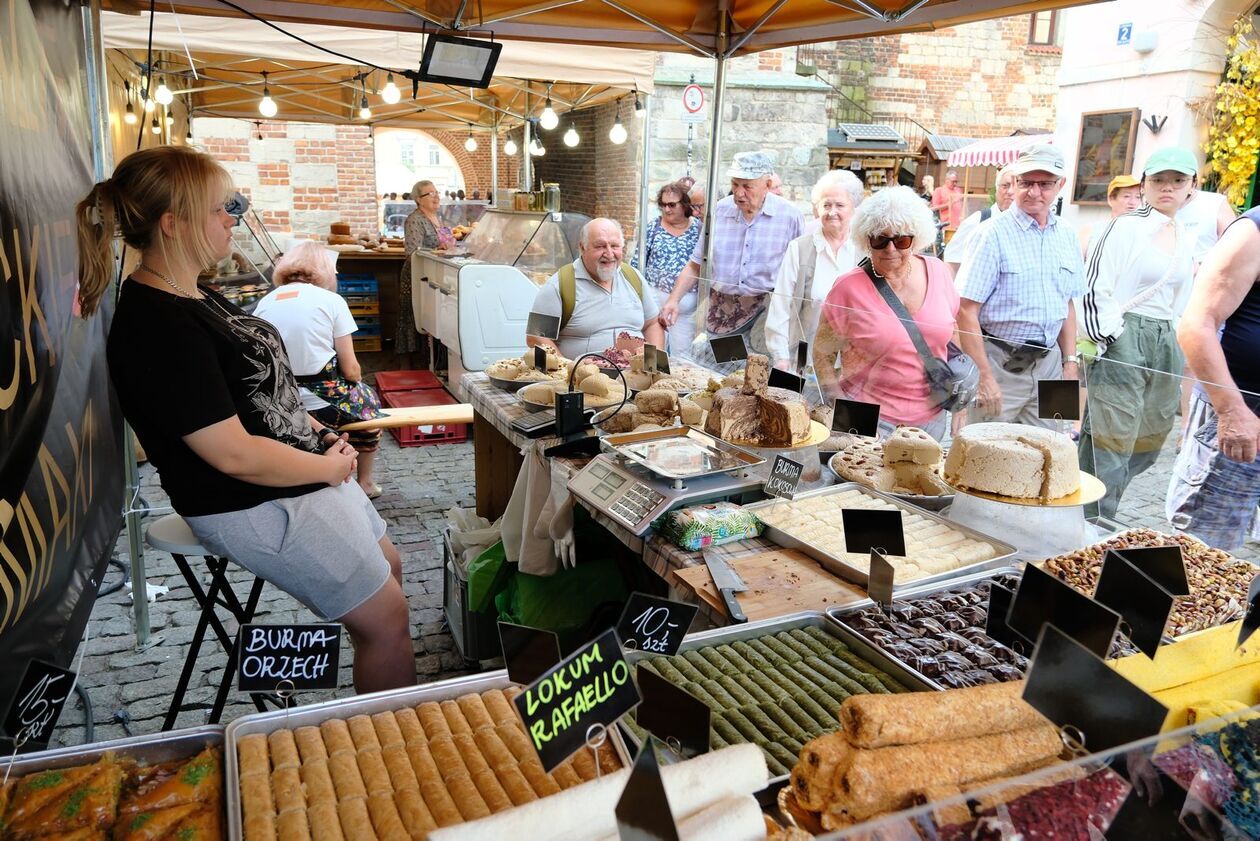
1139,274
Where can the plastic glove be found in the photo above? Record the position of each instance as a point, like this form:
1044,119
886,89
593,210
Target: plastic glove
562,534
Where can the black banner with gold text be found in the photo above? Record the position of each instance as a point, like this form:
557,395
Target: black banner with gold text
61,477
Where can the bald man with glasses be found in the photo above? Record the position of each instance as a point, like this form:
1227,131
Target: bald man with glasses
1016,319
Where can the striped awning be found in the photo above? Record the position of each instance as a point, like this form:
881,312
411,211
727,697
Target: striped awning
995,151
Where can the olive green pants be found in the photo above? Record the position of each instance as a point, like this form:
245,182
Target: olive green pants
1134,390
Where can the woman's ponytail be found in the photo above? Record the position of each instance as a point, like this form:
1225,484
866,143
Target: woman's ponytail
97,223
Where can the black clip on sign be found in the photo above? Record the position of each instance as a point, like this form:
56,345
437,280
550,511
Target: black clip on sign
1041,598
654,625
995,626
855,417
1164,564
1142,602
528,652
305,656
570,407
674,715
867,529
880,582
540,358
1059,399
785,475
1251,620
643,812
649,359
590,687
41,695
546,326
786,379
802,357
729,348
662,361
1078,692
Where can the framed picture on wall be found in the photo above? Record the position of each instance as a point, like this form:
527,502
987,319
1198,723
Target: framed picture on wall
1105,151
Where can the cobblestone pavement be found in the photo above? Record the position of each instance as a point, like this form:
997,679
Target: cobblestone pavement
420,484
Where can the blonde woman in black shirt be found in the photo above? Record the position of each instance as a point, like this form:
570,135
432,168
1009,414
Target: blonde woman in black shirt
211,397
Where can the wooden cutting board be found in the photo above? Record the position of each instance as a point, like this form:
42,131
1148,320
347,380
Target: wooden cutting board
779,582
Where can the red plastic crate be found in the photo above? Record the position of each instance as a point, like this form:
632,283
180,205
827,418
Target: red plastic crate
405,381
417,436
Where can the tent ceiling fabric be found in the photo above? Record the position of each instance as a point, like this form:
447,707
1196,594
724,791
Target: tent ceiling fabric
313,86
669,25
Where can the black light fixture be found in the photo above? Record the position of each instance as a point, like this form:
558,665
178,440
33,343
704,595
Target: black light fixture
457,61
129,116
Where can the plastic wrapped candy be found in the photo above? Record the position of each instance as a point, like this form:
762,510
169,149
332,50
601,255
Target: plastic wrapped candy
701,526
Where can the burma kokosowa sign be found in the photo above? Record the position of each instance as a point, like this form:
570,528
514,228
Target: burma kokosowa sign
61,478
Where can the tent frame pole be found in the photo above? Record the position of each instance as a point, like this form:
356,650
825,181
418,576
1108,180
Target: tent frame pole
494,163
645,139
715,144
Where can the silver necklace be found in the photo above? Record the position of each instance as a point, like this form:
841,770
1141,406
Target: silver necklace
179,290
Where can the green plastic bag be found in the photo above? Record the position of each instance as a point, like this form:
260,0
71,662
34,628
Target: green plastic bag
563,602
487,575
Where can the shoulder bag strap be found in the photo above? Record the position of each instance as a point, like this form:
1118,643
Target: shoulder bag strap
568,293
899,309
632,275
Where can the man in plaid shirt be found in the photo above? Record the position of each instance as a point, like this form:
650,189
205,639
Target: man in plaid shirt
752,228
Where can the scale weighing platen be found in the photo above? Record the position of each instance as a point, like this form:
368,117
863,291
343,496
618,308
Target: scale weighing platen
649,473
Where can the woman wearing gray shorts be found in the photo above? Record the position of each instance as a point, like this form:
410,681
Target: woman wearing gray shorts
210,394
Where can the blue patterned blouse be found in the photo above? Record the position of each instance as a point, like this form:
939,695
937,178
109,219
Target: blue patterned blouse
666,255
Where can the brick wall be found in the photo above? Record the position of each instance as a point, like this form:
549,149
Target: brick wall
980,80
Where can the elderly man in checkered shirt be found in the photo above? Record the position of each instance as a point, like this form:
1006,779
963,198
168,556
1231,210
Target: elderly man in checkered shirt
752,228
1016,319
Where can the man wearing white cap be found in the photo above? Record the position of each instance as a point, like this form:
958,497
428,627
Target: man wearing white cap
1016,319
752,228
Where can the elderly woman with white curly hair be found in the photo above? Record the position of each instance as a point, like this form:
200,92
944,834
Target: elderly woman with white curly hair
318,332
810,267
863,351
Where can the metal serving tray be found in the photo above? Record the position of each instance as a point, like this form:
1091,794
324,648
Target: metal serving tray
806,619
839,568
150,749
376,702
717,455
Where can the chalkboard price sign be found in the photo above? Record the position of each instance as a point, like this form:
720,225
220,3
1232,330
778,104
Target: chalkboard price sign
785,475
591,686
305,655
653,624
38,702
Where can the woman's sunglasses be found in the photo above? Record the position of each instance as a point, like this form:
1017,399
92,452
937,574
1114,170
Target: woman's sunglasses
668,205
901,242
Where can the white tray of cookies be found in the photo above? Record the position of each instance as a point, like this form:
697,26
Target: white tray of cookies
405,760
937,549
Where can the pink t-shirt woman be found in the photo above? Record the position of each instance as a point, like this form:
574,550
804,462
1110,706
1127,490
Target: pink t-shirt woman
878,362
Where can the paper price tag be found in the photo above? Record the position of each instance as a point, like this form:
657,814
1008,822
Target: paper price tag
785,379
591,686
672,714
1059,399
41,695
867,529
528,652
785,475
307,656
546,326
654,625
855,417
729,348
643,812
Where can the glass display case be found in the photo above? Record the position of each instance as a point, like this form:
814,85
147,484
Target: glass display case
462,213
536,243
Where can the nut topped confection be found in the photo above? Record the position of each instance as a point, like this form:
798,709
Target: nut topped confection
1012,460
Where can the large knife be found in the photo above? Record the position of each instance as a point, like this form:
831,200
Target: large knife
728,583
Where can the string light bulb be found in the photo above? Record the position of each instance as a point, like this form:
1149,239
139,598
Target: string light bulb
163,94
571,138
640,109
156,127
129,115
617,134
258,127
509,148
371,138
267,106
471,143
148,102
390,93
535,148
188,138
365,113
548,119
170,119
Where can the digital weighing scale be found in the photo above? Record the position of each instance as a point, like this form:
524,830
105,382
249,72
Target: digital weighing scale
645,474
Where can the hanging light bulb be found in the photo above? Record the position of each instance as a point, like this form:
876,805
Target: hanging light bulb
371,135
163,94
156,128
509,148
170,119
640,108
258,127
188,138
365,113
617,134
548,119
542,150
571,138
130,116
267,106
471,143
535,148
390,93
148,103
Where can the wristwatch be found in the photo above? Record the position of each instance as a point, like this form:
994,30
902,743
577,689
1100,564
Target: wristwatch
323,438
1074,359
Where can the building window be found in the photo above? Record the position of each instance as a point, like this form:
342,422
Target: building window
435,155
407,153
1042,29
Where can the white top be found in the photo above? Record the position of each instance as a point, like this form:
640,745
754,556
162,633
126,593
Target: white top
963,240
598,315
1121,275
309,320
790,316
1199,216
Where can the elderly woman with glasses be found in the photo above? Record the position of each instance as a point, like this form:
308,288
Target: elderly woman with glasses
421,229
810,267
668,244
863,351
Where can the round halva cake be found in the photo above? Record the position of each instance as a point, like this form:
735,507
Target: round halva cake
1013,460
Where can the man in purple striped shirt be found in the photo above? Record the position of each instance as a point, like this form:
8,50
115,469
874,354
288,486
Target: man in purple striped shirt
752,228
